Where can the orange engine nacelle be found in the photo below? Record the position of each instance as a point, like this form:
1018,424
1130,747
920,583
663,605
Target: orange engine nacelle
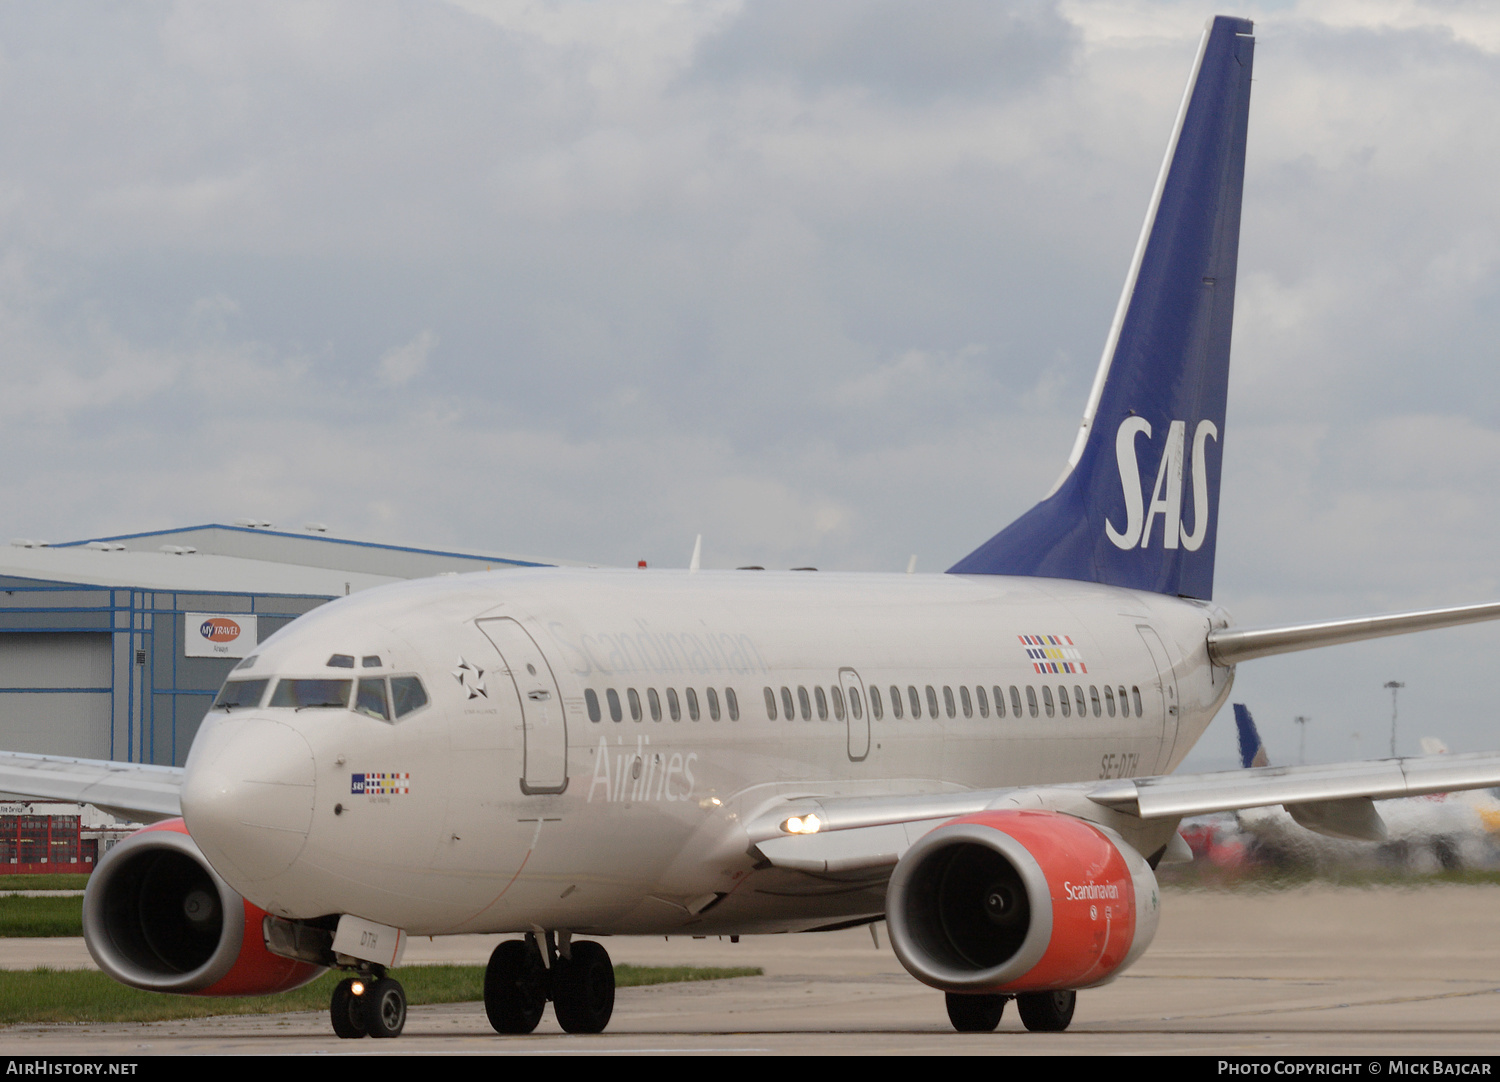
156,916
1020,901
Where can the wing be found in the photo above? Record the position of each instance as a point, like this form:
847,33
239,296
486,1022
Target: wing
832,834
130,790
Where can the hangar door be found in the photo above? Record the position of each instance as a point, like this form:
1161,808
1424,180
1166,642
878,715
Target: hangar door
55,693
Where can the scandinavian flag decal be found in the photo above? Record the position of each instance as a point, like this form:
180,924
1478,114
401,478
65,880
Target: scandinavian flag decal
1053,654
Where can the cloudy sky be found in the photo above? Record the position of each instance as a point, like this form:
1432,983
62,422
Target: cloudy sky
825,282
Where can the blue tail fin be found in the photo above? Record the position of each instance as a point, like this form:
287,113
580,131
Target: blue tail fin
1252,751
1138,506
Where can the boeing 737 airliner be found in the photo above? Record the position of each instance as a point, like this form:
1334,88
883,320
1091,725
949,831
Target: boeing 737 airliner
981,758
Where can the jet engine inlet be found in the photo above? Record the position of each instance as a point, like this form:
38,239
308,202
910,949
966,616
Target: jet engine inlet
1019,902
156,916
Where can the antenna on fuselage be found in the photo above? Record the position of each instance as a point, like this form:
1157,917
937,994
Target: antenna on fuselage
697,553
911,565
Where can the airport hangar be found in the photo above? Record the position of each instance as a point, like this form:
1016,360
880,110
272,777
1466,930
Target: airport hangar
108,645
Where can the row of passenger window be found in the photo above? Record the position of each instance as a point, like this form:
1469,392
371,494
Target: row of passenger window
386,699
653,704
1114,700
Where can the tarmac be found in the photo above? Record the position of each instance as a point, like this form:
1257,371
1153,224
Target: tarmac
1334,971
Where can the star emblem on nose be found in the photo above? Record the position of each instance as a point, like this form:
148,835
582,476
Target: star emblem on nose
471,679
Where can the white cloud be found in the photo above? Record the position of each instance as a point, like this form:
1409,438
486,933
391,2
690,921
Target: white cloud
402,364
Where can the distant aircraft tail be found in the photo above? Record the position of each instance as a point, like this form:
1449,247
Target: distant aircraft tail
1138,504
1252,751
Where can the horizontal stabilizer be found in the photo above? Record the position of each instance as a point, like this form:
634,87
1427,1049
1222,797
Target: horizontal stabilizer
1229,647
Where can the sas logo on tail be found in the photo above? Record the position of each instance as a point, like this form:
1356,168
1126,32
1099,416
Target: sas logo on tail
219,629
1166,493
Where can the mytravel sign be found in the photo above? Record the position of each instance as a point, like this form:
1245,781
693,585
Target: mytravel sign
215,634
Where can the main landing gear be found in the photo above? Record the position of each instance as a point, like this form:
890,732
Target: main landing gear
1041,1012
578,977
368,1006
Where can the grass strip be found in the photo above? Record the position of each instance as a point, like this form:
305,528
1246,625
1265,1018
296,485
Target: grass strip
84,995
59,881
40,916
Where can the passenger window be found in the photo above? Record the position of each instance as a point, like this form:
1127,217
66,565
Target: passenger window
877,709
1135,693
915,700
770,704
1031,700
786,701
1047,700
948,701
932,706
895,702
653,700
713,704
1109,700
591,700
1124,703
1094,699
1083,709
1015,702
804,702
674,709
733,702
1062,700
984,701
635,704
999,701
408,696
692,701
963,700
854,706
613,698
837,695
370,700
822,703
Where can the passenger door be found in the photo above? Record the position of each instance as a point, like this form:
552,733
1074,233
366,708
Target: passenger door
545,765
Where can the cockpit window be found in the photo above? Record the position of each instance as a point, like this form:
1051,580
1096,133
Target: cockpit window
370,699
370,661
300,694
247,663
407,694
341,661
237,693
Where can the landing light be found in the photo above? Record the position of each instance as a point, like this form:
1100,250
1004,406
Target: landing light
357,988
803,824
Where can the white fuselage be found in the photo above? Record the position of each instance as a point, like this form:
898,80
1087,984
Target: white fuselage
501,805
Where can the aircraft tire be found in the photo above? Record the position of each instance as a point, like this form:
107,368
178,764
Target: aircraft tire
346,1011
384,1005
1046,1012
583,990
514,992
975,1014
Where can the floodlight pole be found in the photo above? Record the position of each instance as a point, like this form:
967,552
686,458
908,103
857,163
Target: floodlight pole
1395,686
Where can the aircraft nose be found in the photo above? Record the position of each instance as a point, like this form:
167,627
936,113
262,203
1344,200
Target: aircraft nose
247,796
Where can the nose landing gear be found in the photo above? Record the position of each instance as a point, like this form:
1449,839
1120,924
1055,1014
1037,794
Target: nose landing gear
523,974
368,1006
